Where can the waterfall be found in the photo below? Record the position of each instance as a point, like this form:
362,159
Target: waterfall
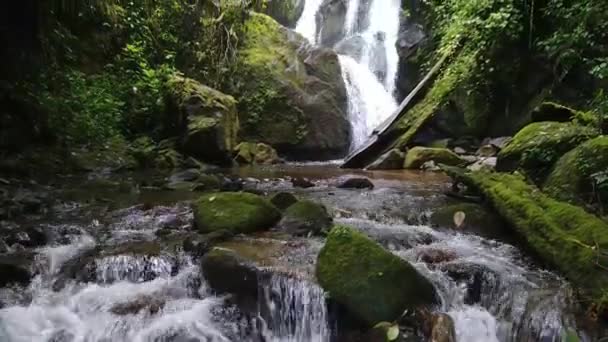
368,57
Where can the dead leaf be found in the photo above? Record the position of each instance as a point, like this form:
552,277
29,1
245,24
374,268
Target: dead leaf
459,218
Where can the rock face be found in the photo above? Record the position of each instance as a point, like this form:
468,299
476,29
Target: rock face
226,272
418,156
539,145
581,175
238,212
252,153
331,20
204,118
305,217
292,95
411,36
391,160
286,12
369,281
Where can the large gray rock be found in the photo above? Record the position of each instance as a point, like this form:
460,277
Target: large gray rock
391,160
331,20
286,12
291,94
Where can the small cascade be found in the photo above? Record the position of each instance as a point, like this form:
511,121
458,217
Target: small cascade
368,56
296,310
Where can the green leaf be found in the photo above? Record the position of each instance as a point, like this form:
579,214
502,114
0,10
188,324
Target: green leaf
393,333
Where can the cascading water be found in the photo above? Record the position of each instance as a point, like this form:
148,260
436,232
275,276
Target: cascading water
368,57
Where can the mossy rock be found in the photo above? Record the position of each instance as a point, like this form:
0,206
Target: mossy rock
227,272
286,12
306,217
417,156
539,145
205,118
256,153
563,235
238,212
291,94
479,219
369,281
283,200
581,175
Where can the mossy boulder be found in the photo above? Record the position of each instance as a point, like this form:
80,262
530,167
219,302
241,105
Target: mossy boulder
283,200
369,281
291,94
204,118
391,160
227,272
581,175
238,212
252,153
539,145
563,235
417,156
305,217
286,12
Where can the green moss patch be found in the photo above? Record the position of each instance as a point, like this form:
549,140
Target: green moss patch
417,156
234,211
369,281
581,175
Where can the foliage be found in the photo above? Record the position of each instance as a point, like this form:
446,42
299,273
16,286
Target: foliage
575,34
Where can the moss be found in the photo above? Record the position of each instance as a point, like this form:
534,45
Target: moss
417,156
537,146
283,200
369,281
577,177
563,235
304,217
252,153
235,212
207,183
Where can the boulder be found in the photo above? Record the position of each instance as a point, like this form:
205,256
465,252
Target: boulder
286,12
304,183
204,118
391,160
238,212
252,153
484,164
152,304
228,273
563,235
356,183
417,156
478,218
539,145
581,175
291,94
283,200
198,245
331,20
305,217
372,283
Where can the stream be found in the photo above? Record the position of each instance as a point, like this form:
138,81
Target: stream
491,290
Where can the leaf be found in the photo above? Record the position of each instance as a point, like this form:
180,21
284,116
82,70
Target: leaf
212,199
392,333
459,218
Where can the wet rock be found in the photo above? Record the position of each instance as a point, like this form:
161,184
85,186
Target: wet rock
286,12
304,218
478,280
238,212
256,153
198,245
391,160
226,272
484,164
283,200
436,256
331,18
478,219
14,269
370,282
207,183
231,185
417,156
459,150
487,151
29,237
62,336
204,118
357,183
442,328
302,183
500,142
152,304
